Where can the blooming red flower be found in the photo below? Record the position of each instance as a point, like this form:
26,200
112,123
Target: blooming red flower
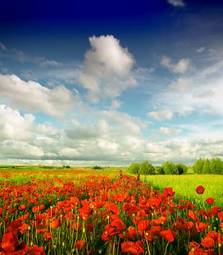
210,201
80,244
168,235
134,248
131,232
55,223
200,189
168,191
9,242
143,225
220,216
207,242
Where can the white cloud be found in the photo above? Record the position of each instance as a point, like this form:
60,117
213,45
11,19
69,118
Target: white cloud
13,125
169,131
115,104
180,67
161,115
176,3
32,96
201,49
107,68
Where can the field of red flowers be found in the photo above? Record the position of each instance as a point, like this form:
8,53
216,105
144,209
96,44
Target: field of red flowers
102,215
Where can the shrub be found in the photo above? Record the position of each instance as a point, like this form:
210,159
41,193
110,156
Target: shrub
134,168
97,167
146,168
181,169
169,168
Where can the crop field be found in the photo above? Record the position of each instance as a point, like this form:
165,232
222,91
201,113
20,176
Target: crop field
84,211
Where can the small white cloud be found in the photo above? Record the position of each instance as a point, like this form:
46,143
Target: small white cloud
3,47
161,115
115,104
32,96
201,49
169,131
180,67
177,3
107,68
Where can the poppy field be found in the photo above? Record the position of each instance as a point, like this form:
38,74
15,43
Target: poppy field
92,212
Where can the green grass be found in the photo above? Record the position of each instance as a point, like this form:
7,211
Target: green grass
185,185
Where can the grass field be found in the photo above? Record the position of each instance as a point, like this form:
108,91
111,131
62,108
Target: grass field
184,185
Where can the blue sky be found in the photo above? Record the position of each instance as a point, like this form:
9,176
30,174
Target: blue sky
85,82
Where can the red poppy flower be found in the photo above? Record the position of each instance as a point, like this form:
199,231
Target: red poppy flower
134,248
9,242
55,223
210,201
207,242
80,244
220,216
200,189
168,235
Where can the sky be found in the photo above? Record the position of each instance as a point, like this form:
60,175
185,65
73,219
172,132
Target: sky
110,82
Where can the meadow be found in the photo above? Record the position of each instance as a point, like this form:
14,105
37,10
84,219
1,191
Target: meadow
184,185
60,210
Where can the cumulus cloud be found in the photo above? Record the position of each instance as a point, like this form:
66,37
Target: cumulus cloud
107,68
32,96
180,67
13,125
161,115
176,3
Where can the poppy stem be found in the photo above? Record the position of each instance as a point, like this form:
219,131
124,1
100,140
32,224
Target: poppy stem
165,252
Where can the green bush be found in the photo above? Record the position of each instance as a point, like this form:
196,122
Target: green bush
134,168
146,168
181,168
169,168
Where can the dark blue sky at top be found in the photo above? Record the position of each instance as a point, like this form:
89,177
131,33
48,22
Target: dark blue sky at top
60,28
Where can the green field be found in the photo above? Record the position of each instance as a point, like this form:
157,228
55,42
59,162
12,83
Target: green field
184,185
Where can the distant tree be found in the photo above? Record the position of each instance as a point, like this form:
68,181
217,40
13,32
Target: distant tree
181,168
159,170
198,166
206,167
146,168
169,168
216,166
134,168
97,167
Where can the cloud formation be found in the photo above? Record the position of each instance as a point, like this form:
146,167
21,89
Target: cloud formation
161,115
176,3
107,70
179,68
33,97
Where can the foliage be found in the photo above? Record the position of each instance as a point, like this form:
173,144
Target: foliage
97,167
207,166
134,168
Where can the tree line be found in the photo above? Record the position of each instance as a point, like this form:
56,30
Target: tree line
167,167
200,166
208,166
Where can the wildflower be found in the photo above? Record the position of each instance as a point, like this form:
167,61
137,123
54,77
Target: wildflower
80,244
134,248
168,235
9,242
200,189
207,242
210,201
